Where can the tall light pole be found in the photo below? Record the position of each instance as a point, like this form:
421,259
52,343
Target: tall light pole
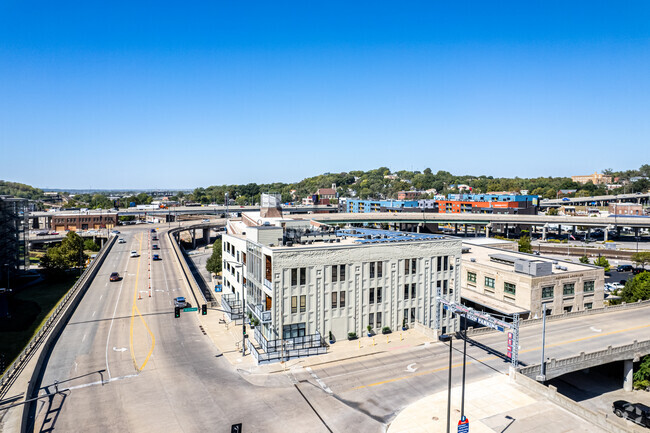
542,364
447,338
462,400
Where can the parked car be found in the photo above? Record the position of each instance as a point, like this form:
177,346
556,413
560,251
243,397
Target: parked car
180,302
637,271
155,247
121,241
115,277
617,286
205,221
117,232
624,268
156,257
134,253
635,412
153,230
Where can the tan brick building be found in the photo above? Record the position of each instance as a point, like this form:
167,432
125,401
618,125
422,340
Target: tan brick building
596,179
83,221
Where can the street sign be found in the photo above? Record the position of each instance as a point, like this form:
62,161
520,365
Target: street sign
463,425
217,288
189,310
236,428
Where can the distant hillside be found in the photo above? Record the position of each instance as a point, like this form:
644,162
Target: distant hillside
20,190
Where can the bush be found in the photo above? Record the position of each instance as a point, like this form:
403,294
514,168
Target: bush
352,335
91,245
369,328
385,330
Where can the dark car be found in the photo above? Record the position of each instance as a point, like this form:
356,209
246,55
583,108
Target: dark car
155,247
624,268
156,257
153,230
115,277
635,412
637,271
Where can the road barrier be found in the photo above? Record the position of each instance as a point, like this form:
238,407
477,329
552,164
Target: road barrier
554,317
60,314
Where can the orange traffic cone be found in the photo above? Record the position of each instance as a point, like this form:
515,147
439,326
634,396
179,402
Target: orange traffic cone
139,295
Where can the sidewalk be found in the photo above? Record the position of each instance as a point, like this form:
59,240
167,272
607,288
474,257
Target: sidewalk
228,337
491,405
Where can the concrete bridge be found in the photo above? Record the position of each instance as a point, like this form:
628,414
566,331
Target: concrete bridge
599,200
628,353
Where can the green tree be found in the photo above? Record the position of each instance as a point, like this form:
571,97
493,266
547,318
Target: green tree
641,258
213,264
91,245
602,262
524,245
642,375
551,211
637,289
68,255
584,259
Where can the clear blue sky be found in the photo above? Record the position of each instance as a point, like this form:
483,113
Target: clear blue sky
155,94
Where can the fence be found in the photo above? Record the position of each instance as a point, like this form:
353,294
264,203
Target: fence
285,355
278,350
232,306
70,299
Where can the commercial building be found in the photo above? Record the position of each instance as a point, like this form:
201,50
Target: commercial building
303,280
365,206
596,179
509,282
83,220
409,195
14,246
625,209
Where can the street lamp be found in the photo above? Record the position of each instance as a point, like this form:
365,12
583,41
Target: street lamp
447,338
462,400
542,365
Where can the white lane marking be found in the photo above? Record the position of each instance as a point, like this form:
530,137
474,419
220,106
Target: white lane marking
596,329
100,298
108,370
84,337
320,382
99,382
94,313
106,285
410,368
121,349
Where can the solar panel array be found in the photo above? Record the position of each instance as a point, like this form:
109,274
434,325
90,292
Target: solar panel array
373,236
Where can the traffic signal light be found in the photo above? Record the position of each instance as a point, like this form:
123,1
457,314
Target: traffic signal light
245,336
177,312
204,309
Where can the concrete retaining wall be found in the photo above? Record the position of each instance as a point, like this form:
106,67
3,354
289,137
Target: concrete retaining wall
550,393
199,299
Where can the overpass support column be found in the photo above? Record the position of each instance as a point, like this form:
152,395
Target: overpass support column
544,229
487,231
606,233
206,236
193,238
456,228
628,373
465,230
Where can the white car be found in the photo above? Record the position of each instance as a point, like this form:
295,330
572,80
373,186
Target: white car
121,241
134,253
617,286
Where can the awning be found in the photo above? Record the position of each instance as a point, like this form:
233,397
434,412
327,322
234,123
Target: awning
491,303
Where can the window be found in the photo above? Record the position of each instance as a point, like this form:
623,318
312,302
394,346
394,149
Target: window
569,289
471,277
379,295
294,276
371,320
439,263
547,292
589,286
406,291
342,303
303,303
294,304
371,296
413,290
509,288
334,299
335,276
444,287
379,269
568,309
588,305
489,282
303,276
294,331
406,314
372,269
413,265
412,314
342,272
445,263
406,267
378,320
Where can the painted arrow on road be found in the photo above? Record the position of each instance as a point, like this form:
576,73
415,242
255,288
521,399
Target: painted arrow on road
121,349
410,368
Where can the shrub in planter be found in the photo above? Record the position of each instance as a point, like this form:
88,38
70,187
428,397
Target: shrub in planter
404,325
369,328
352,335
331,338
385,330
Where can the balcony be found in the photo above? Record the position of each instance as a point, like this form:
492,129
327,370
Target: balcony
264,316
268,285
232,306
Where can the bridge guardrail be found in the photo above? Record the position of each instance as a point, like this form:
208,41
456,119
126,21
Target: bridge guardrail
60,311
552,318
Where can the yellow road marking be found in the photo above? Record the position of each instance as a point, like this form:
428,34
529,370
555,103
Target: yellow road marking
135,310
489,358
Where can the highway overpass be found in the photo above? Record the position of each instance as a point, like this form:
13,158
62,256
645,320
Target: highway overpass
599,200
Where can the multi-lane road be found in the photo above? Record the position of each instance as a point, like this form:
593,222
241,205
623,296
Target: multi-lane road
125,364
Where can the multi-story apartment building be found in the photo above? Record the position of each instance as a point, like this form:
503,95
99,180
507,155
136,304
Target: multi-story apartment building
509,282
596,179
301,280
